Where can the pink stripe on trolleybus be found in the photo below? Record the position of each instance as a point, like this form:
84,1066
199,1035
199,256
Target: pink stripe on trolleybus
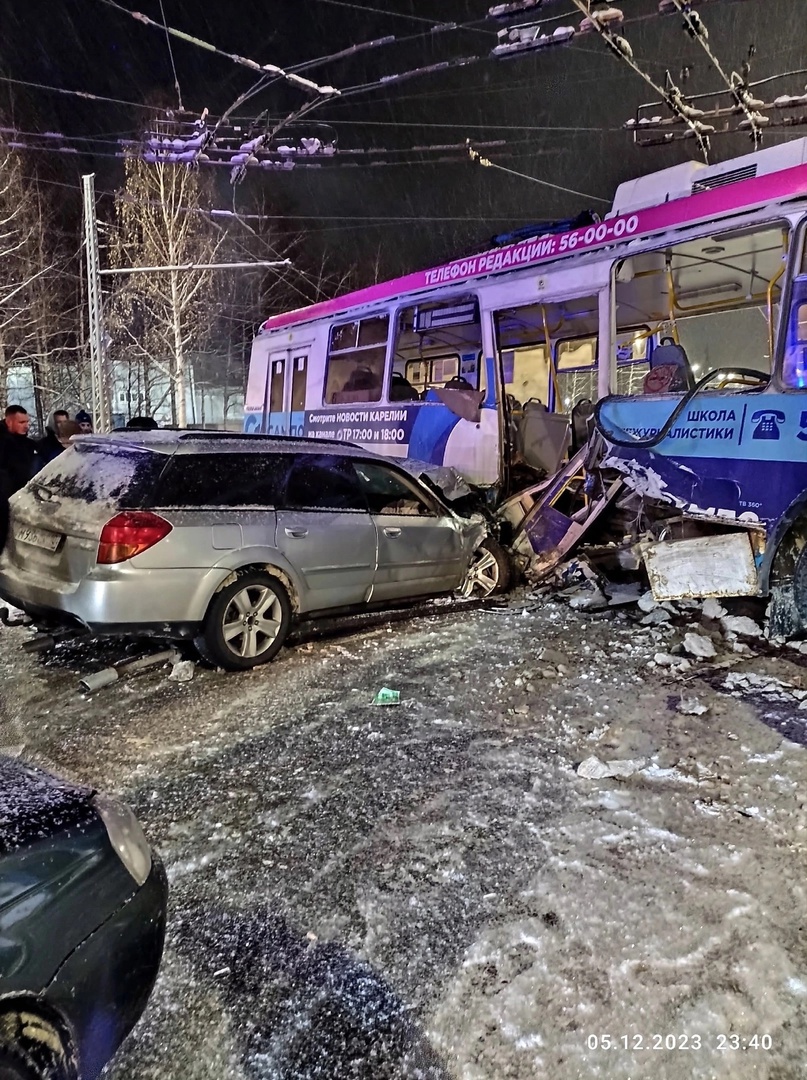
679,212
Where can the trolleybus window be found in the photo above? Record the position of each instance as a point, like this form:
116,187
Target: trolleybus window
437,346
716,296
577,366
357,354
528,364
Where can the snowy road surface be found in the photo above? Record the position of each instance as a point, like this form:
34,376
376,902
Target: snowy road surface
430,890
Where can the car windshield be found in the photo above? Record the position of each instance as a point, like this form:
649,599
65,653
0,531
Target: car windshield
120,476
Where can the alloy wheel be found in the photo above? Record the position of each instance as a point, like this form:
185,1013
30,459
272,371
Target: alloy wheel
483,575
252,621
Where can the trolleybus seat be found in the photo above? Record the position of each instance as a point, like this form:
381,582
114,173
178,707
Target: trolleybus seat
582,415
457,382
363,385
669,369
401,389
543,436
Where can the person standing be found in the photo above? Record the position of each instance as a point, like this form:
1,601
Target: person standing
17,451
84,419
18,461
51,445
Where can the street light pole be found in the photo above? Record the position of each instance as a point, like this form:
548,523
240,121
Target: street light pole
99,373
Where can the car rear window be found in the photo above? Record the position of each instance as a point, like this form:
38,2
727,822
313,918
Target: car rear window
120,476
35,805
223,480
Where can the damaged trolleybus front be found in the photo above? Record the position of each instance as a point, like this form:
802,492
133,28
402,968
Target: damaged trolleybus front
682,315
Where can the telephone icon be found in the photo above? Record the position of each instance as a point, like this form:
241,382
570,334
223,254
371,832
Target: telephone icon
767,423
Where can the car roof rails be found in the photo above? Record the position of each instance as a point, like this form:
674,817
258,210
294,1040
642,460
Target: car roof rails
186,436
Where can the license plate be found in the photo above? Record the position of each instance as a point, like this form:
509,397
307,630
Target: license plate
47,540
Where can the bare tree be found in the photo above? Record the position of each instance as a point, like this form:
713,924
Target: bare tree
35,286
161,316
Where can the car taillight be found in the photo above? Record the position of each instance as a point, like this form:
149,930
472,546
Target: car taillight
129,534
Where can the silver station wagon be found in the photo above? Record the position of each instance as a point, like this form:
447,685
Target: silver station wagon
229,539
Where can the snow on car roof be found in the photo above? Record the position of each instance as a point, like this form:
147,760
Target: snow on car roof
35,805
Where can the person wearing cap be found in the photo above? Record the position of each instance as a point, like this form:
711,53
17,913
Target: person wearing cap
84,420
51,445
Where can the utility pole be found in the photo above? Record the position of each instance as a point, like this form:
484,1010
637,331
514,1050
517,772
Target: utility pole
99,381
100,376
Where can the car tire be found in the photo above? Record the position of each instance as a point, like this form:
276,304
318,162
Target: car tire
490,571
235,635
23,1057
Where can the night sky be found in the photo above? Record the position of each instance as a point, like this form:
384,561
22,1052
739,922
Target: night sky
451,207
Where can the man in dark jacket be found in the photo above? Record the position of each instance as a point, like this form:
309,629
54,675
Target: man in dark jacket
51,446
18,461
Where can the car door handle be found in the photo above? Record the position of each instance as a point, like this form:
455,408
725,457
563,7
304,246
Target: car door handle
298,534
392,532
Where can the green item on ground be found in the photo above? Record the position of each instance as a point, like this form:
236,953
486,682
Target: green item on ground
386,696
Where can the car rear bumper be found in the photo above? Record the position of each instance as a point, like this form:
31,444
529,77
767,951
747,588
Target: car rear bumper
123,600
103,986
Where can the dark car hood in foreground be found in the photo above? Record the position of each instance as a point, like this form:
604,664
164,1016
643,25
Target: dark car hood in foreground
34,805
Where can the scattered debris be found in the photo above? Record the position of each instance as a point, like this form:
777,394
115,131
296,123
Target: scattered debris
656,617
690,706
183,671
594,769
619,595
647,603
678,664
699,646
11,616
385,696
713,609
662,659
749,681
99,679
588,598
742,625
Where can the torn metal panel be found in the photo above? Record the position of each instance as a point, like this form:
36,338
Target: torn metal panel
547,559
516,508
547,529
721,565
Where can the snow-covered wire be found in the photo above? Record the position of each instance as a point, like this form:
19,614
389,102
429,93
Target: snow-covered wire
671,95
736,85
243,61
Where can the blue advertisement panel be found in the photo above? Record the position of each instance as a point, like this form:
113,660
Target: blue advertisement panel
385,425
741,457
421,430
